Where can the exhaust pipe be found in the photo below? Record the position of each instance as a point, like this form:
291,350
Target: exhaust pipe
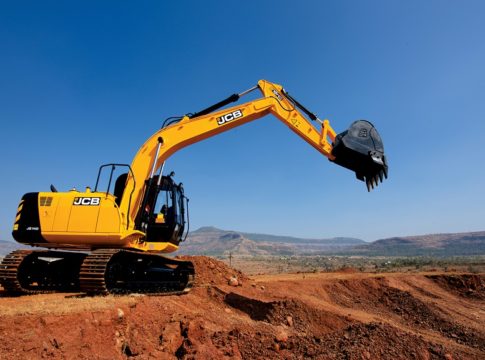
361,150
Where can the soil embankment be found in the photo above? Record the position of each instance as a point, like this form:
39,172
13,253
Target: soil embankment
348,315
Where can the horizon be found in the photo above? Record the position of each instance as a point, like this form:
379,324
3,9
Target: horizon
307,238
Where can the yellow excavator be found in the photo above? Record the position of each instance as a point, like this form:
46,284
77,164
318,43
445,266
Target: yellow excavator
111,239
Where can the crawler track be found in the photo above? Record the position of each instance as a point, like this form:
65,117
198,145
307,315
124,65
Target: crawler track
103,271
9,270
35,272
123,271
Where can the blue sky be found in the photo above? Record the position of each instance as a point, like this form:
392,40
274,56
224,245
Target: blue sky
85,83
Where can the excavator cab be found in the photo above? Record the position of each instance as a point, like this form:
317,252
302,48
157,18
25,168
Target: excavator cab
360,149
164,213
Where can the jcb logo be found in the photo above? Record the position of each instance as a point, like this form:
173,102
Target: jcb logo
93,201
229,117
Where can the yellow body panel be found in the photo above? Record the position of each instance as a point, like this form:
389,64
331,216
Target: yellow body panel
60,215
83,240
109,219
79,218
88,220
83,219
47,210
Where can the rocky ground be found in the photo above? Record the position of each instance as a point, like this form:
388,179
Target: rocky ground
341,315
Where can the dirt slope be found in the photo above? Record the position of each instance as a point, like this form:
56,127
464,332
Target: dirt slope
291,316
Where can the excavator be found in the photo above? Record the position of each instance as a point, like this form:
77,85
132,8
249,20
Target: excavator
111,239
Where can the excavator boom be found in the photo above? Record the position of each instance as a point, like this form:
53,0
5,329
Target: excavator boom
359,148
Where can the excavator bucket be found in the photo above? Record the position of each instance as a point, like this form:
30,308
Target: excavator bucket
360,149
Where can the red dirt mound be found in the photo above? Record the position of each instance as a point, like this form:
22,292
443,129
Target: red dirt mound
293,313
210,271
357,341
410,310
470,286
367,341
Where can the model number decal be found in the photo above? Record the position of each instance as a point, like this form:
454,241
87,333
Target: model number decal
87,201
229,117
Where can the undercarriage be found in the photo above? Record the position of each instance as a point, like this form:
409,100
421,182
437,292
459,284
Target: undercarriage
102,271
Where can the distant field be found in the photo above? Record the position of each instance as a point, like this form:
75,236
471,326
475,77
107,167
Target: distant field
294,264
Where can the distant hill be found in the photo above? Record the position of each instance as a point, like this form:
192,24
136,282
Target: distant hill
456,244
213,241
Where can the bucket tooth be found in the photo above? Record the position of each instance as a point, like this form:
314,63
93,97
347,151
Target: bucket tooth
370,184
381,175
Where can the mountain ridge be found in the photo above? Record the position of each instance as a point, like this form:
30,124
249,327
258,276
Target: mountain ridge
209,240
442,244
